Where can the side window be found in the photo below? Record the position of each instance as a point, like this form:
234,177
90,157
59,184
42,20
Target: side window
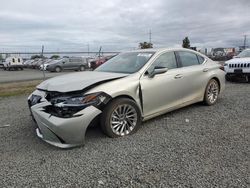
188,59
166,60
18,60
201,59
13,60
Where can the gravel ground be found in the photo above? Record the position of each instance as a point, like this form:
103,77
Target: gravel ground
197,146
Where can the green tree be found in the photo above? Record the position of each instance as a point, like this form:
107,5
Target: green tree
145,45
186,43
36,56
55,57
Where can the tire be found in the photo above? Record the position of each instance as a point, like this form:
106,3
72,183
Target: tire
247,79
212,92
123,125
58,69
81,68
228,78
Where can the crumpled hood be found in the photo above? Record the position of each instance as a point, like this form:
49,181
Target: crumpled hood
77,81
239,60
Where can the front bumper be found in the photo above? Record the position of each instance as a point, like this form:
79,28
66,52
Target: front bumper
62,132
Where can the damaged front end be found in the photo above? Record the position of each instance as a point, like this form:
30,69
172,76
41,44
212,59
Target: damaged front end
62,118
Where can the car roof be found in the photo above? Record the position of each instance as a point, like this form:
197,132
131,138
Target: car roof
162,49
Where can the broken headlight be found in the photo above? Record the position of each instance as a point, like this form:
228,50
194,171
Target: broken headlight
67,106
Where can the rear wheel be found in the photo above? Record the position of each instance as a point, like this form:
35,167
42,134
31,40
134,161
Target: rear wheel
120,117
82,68
212,92
58,69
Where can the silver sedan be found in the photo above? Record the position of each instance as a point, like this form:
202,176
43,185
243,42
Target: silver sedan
122,93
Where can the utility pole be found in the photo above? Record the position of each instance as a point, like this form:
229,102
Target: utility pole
245,41
88,48
100,52
43,62
150,36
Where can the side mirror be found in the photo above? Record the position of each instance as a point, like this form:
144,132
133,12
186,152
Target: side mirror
156,70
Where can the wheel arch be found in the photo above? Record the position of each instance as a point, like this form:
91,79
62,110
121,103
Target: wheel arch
128,97
218,80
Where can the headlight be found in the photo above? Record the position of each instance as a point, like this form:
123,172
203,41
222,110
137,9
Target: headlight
79,101
67,106
34,99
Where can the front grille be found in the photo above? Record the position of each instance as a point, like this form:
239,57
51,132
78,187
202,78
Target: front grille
239,65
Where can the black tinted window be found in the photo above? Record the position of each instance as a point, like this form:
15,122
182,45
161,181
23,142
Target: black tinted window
166,60
201,59
77,60
188,59
129,62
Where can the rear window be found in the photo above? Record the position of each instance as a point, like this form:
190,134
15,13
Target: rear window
188,59
201,59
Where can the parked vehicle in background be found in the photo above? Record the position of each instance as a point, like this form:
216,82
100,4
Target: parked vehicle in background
36,64
239,66
28,63
44,65
13,63
72,63
96,63
222,54
126,90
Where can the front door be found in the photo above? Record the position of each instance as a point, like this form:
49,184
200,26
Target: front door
163,91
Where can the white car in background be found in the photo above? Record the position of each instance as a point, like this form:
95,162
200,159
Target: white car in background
239,66
13,63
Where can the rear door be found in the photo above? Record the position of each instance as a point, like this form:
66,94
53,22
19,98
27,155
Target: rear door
193,71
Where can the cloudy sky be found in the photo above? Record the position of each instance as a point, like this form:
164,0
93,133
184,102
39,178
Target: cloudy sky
116,25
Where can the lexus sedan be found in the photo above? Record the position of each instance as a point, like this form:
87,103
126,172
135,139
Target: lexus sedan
122,93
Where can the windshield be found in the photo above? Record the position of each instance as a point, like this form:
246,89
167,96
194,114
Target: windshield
245,53
129,62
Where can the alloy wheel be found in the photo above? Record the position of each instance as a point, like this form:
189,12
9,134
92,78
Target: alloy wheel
212,92
123,119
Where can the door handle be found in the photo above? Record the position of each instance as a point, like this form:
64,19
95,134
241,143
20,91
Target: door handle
178,76
205,70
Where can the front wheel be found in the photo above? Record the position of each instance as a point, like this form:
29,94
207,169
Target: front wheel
120,117
211,92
